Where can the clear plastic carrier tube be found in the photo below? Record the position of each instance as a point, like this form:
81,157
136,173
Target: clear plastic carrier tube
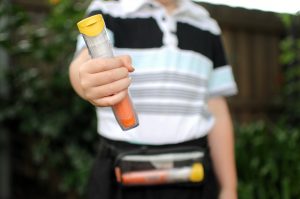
194,173
95,36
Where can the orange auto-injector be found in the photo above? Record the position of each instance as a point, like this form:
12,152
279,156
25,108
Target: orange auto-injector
95,36
194,173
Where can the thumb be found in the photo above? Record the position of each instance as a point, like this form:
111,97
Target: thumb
126,59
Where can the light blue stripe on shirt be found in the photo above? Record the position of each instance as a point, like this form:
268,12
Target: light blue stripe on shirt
169,59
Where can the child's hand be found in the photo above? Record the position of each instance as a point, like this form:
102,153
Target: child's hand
104,81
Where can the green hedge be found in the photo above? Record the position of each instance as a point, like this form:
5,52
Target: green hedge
268,161
52,130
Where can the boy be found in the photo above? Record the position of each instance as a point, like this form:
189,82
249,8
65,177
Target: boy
178,84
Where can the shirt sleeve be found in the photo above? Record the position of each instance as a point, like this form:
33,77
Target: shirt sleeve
221,82
79,45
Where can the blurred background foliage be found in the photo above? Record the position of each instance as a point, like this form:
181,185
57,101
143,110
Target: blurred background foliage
290,59
268,161
53,132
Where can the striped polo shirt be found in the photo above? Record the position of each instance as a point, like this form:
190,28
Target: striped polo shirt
179,64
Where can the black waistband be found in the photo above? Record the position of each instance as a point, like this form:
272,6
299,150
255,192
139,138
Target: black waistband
120,146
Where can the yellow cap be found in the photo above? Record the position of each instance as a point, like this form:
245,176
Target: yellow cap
197,174
91,26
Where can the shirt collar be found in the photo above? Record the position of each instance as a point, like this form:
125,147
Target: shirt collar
188,8
184,6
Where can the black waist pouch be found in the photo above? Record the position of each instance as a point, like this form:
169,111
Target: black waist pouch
171,165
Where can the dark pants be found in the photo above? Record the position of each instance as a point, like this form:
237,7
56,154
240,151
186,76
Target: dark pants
103,185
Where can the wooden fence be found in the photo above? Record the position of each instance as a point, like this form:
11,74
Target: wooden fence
251,39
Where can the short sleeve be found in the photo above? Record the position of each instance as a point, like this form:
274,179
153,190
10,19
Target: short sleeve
80,45
221,81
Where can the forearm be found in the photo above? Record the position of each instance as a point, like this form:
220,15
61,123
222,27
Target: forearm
221,142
